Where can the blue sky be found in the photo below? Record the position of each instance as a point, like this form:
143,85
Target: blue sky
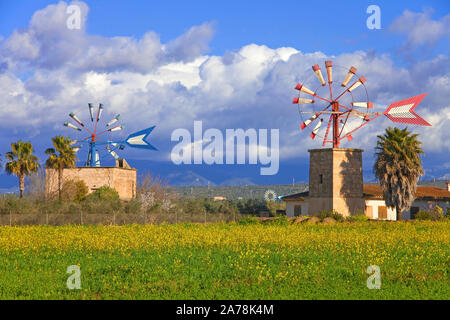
230,64
327,26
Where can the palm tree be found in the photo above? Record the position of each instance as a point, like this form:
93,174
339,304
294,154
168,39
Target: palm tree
398,167
65,159
22,162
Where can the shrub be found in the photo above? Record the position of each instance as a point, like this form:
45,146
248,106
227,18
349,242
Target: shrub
133,207
331,214
249,220
104,193
281,220
423,215
358,217
437,213
102,200
74,190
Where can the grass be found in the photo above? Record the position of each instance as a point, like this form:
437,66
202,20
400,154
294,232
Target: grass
227,261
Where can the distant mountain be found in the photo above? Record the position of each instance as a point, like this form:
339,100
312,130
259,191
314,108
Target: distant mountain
238,182
188,178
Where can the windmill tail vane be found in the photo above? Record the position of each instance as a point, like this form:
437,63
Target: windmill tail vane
95,142
343,118
403,111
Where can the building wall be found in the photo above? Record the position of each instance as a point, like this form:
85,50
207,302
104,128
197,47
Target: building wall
426,205
123,180
373,207
336,181
290,208
406,215
375,204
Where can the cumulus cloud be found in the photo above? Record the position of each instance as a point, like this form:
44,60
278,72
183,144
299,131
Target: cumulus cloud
47,43
173,84
421,29
191,44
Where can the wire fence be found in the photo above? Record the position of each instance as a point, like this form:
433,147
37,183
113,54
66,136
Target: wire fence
59,219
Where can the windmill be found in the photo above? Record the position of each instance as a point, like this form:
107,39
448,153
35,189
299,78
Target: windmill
96,145
334,111
349,110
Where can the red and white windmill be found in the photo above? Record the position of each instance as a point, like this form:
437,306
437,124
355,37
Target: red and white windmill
348,111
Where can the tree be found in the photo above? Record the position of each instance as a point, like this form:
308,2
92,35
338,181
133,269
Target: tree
398,167
22,162
65,159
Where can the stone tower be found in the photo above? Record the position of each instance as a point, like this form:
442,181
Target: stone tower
336,181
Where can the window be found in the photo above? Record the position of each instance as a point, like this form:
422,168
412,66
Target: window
369,212
297,210
321,179
382,212
413,212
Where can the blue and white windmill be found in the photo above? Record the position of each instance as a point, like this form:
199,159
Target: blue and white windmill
97,144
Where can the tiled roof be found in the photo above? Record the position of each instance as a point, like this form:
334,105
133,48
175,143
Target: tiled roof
422,192
296,196
374,192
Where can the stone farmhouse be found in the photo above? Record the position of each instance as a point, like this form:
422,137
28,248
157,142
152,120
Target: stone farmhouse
122,178
336,183
427,197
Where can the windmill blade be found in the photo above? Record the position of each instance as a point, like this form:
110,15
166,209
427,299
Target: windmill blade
100,110
362,104
302,101
304,89
76,119
357,83
316,129
307,122
138,139
348,77
117,146
403,111
121,127
69,125
112,152
329,66
318,74
91,111
361,115
116,118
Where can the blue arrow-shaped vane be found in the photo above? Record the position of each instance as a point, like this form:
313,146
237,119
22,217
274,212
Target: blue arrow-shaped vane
138,139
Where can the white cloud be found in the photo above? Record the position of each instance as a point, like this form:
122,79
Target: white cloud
420,28
173,84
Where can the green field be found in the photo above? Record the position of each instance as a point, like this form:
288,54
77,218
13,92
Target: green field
227,261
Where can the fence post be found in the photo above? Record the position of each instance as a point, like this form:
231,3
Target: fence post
114,218
205,215
46,218
10,218
81,217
